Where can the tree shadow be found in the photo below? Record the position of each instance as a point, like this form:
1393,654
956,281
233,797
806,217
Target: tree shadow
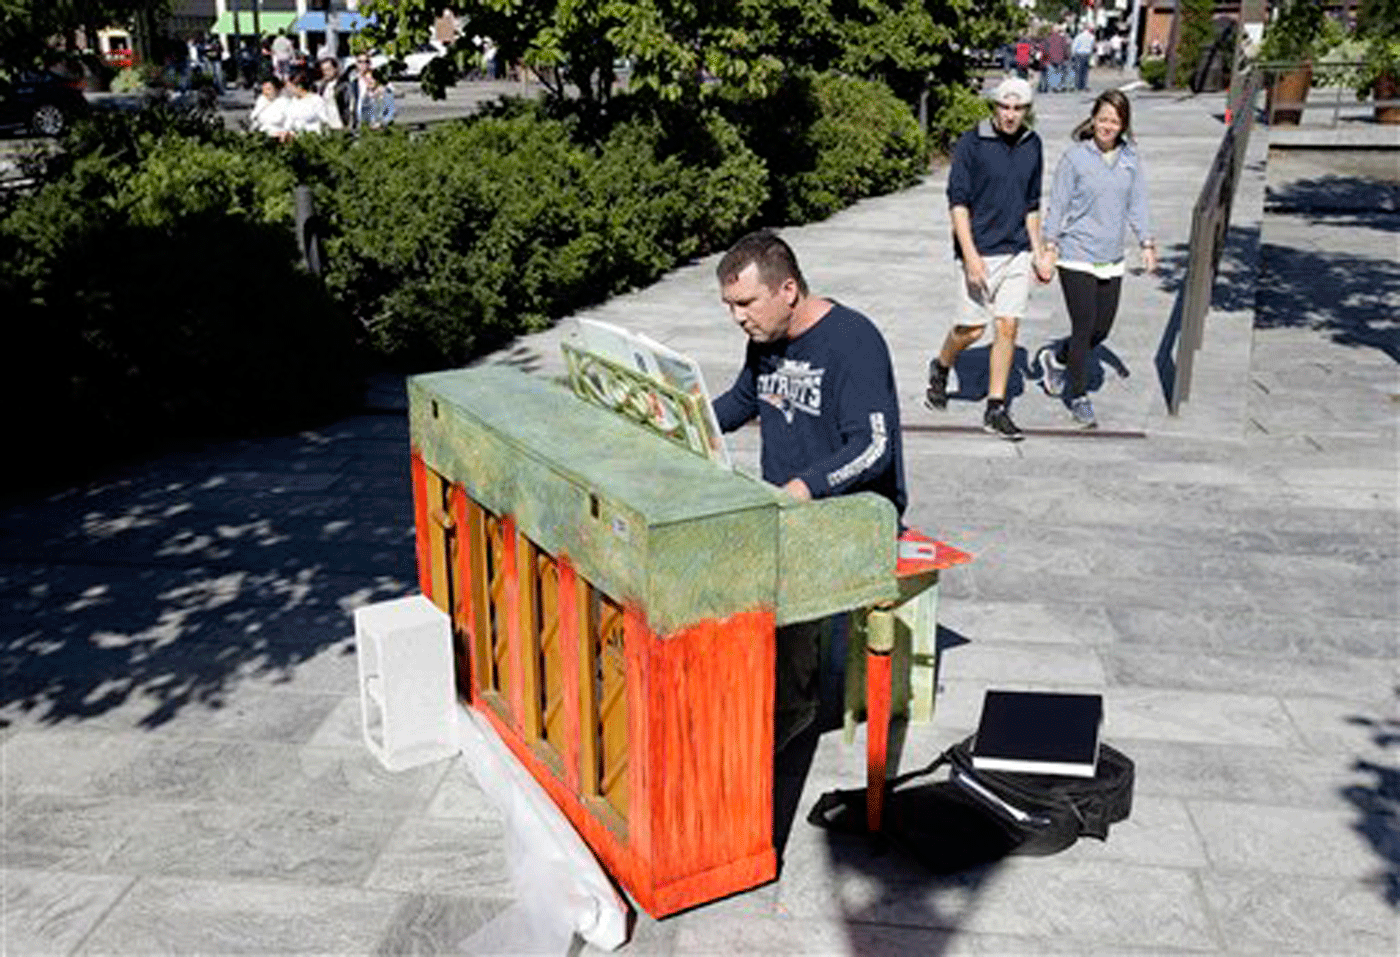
1339,200
1351,298
164,583
1377,802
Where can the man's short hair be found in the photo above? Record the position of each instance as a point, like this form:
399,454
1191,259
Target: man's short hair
775,260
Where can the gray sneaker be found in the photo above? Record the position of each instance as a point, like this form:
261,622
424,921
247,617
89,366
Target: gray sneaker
1082,411
998,422
1052,373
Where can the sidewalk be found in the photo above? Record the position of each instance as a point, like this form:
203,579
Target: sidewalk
182,770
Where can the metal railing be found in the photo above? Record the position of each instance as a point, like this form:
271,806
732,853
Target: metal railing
1210,221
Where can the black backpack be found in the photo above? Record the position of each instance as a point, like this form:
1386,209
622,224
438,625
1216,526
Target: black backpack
976,816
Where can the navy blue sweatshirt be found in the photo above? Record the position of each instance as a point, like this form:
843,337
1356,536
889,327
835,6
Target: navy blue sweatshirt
999,183
827,408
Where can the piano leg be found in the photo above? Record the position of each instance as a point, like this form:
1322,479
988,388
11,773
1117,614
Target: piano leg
879,645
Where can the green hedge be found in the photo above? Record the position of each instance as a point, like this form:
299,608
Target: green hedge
447,245
153,286
1153,71
829,140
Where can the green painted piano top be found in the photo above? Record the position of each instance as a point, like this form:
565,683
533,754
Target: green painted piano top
643,519
594,447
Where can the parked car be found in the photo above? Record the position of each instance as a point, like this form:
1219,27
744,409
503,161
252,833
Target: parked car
418,60
41,102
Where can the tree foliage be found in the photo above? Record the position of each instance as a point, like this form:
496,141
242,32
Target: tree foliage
29,29
1197,32
690,51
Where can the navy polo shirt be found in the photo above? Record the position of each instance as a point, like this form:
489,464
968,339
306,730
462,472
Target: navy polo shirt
999,182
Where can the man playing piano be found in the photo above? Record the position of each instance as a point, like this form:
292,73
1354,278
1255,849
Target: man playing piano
818,376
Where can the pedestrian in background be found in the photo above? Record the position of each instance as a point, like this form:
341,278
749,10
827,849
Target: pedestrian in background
214,56
1081,51
194,60
994,199
1055,56
1024,57
332,88
307,112
376,103
1099,193
269,115
282,51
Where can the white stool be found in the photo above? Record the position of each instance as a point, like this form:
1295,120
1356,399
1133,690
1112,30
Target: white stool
407,694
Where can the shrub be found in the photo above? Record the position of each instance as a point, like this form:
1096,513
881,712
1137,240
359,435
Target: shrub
829,140
450,244
162,299
956,109
129,80
1153,71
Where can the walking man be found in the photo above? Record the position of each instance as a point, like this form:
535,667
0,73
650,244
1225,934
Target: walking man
994,196
1055,57
1082,50
818,377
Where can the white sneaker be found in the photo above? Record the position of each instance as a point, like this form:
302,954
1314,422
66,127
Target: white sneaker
1052,373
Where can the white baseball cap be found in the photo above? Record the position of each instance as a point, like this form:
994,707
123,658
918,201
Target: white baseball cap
1012,91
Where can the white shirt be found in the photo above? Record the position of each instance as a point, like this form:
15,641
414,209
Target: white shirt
269,116
326,90
308,114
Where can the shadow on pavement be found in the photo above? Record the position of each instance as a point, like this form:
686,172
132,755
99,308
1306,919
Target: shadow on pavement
974,374
1341,200
1351,298
160,586
1377,801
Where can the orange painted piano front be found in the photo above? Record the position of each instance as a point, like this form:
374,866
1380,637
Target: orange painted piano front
614,600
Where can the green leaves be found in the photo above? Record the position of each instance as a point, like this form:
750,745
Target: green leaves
449,244
692,52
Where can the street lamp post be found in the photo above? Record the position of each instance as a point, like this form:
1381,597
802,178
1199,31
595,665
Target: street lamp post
238,70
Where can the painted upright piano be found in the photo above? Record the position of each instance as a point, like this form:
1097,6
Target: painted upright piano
613,599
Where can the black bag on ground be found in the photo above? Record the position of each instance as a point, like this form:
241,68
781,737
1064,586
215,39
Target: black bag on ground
980,816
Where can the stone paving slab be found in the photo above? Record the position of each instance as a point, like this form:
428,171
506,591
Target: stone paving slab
181,764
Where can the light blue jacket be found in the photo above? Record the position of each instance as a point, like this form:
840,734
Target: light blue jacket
1092,204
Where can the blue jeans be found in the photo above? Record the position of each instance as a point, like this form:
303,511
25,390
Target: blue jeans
1081,71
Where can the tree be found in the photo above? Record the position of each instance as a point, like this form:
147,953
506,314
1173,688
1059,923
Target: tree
1197,32
686,51
1058,11
31,29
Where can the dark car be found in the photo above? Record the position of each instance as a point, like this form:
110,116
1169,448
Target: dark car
41,102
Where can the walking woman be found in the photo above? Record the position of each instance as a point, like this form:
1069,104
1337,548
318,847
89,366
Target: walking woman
1099,194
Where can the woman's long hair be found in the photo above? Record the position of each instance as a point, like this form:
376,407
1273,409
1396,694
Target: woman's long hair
1121,106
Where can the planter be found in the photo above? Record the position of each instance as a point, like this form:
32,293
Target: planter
1289,87
1387,88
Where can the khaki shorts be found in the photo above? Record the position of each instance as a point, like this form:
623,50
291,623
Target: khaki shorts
1009,288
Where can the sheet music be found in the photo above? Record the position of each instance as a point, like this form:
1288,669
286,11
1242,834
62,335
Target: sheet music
661,363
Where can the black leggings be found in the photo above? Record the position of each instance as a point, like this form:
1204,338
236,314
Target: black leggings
1092,304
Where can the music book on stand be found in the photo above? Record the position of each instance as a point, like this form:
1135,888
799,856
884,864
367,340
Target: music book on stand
1039,732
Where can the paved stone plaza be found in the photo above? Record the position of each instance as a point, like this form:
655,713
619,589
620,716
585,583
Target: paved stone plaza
182,768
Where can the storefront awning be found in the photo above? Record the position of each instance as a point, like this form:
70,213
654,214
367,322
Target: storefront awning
270,21
314,21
